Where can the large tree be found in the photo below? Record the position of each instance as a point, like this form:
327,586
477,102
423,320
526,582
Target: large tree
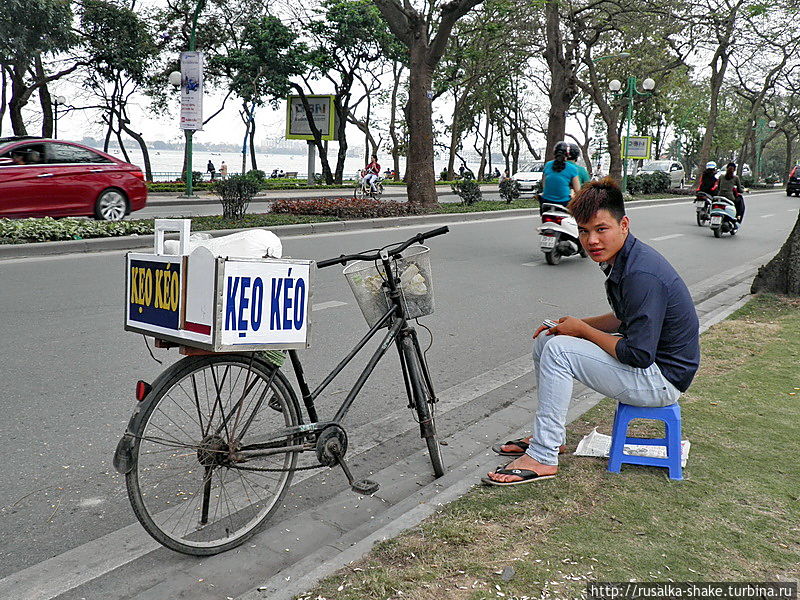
425,32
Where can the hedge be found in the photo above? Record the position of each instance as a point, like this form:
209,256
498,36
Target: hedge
345,208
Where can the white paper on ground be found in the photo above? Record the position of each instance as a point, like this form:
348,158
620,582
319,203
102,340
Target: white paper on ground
599,444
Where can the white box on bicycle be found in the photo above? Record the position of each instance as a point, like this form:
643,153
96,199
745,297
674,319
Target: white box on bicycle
217,303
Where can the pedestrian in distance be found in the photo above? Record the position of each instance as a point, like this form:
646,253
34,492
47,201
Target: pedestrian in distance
371,172
223,170
211,169
644,353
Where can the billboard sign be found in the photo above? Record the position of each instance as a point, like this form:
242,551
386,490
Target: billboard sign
636,147
322,109
192,90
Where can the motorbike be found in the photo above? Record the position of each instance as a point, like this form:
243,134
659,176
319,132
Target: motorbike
702,205
558,234
723,216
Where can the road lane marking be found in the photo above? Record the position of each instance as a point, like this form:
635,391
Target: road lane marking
769,215
531,264
331,304
666,237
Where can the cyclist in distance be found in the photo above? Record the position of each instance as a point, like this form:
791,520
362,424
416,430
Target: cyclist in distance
559,177
573,155
371,172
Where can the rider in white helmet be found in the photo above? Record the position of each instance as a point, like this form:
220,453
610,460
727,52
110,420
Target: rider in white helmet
708,179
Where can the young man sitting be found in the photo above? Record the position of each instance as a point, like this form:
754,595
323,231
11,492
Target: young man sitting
644,353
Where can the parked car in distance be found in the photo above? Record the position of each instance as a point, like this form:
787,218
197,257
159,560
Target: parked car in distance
677,176
793,182
529,177
52,178
746,172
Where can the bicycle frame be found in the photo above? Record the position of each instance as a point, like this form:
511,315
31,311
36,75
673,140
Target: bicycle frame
397,330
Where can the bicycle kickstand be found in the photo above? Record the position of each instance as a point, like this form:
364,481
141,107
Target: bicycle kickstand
366,487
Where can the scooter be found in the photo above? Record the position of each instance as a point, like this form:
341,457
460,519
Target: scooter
558,234
702,205
723,216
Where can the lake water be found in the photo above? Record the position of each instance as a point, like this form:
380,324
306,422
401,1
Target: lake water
167,164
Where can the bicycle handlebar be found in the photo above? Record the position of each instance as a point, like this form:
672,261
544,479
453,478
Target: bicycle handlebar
345,258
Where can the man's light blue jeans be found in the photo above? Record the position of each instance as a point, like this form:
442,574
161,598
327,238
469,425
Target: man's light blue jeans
557,360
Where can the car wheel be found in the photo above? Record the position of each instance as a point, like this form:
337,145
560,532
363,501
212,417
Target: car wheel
111,206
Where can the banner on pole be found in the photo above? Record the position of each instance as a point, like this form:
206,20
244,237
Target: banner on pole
323,111
192,90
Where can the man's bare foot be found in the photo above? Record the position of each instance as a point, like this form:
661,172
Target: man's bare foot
523,462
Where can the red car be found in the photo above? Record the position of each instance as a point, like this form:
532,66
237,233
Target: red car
51,178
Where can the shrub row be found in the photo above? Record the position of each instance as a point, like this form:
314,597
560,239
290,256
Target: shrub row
649,183
47,229
345,208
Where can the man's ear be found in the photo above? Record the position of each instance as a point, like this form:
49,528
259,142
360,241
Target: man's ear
625,223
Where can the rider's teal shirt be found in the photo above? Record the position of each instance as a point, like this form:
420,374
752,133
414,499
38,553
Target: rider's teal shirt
557,183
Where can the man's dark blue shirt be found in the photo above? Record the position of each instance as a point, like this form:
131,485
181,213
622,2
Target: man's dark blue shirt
659,321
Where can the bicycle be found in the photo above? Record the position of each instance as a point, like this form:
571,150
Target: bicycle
363,190
213,443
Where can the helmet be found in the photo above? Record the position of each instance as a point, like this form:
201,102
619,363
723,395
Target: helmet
711,165
574,152
561,147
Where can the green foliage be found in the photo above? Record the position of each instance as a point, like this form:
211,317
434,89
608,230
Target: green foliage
235,194
257,175
31,27
509,190
649,183
117,39
261,67
467,189
345,208
47,229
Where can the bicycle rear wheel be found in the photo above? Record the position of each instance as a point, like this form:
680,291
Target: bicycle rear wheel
193,486
423,403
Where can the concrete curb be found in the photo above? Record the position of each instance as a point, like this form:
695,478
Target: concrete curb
131,242
354,545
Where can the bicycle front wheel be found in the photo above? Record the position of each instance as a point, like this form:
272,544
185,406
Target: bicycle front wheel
197,485
423,404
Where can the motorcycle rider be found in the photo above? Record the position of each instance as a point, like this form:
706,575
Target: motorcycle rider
559,177
708,179
573,155
730,187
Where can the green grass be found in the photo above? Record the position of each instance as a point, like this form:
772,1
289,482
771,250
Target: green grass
736,517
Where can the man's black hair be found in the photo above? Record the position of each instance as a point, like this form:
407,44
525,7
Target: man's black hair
604,194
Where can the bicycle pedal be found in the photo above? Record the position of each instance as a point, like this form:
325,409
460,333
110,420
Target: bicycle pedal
366,487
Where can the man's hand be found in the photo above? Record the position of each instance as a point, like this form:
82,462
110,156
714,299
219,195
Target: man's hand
571,326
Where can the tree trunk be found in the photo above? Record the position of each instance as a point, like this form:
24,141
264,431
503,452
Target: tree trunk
455,133
562,85
782,274
397,69
789,153
323,155
45,101
3,96
252,135
148,170
420,170
18,99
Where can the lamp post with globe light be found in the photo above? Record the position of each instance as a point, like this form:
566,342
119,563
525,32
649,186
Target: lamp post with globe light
57,101
761,136
630,92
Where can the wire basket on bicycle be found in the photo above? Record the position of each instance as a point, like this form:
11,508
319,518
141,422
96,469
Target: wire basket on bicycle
413,270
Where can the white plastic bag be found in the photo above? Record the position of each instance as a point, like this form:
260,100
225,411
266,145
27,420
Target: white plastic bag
253,243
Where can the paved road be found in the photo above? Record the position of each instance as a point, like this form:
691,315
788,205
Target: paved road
69,372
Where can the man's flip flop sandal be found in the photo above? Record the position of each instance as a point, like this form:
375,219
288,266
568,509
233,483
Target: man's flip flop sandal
527,477
522,445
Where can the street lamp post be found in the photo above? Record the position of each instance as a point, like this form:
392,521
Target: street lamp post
630,92
57,101
761,136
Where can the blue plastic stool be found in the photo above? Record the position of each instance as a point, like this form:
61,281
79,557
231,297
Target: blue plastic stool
670,415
